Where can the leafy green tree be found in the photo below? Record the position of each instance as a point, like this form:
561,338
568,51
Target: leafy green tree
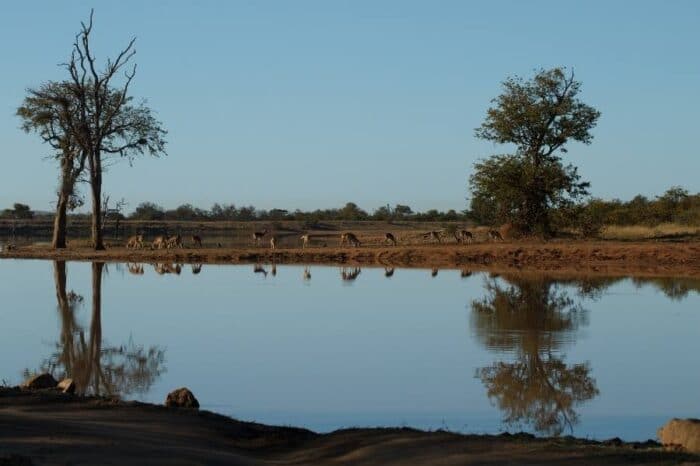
50,111
352,212
148,211
538,117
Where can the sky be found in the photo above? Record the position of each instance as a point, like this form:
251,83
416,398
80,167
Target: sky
314,103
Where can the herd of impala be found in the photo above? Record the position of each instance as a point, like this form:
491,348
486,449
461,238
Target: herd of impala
347,238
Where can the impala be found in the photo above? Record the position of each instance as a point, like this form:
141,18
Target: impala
349,238
259,235
135,242
196,240
389,238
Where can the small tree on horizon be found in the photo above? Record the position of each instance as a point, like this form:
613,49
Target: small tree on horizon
539,117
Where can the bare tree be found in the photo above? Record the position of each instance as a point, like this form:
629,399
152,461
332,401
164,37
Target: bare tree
109,124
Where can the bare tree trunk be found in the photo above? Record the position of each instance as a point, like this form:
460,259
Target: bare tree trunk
96,186
96,327
59,223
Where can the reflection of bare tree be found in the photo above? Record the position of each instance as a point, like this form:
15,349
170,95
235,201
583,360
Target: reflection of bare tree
97,368
534,318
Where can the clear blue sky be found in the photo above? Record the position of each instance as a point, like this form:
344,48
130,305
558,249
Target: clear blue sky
309,104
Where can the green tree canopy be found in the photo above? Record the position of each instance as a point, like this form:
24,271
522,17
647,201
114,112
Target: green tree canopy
538,117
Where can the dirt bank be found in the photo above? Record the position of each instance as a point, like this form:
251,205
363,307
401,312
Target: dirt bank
49,428
606,257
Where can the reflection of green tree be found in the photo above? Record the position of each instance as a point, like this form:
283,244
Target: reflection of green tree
675,288
534,318
97,368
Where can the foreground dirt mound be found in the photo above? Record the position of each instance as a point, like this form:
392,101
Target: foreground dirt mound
683,433
53,428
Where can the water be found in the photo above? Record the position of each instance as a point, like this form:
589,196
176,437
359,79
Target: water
326,348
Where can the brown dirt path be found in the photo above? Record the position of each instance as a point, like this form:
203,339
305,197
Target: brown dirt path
49,428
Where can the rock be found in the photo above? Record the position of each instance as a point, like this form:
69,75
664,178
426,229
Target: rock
683,433
66,386
181,398
41,381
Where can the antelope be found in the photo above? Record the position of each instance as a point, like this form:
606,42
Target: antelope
305,239
196,240
495,235
196,268
432,235
160,242
349,238
347,275
174,242
464,236
307,273
259,235
389,238
273,242
135,242
388,272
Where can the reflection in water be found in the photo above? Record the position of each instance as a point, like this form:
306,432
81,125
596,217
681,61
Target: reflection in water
135,269
349,274
465,273
259,268
388,272
675,288
273,271
162,269
535,319
434,272
196,268
307,273
97,368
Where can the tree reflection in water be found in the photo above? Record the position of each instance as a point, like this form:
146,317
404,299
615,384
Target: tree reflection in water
97,368
535,319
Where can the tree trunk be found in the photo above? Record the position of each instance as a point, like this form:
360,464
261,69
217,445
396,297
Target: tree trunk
95,351
59,223
96,186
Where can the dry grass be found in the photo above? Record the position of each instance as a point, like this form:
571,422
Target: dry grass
639,232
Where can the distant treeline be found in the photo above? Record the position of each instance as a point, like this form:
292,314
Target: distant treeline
676,205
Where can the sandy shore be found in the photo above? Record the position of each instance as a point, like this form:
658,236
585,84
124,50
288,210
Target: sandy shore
606,257
51,428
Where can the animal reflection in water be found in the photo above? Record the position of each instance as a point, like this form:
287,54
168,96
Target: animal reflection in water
96,367
259,268
464,273
434,272
196,268
273,270
388,272
533,319
135,269
349,274
163,269
307,274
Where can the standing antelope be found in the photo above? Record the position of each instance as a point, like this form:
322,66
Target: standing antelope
433,235
304,240
273,242
464,236
159,242
258,236
495,235
174,242
135,242
349,238
390,238
196,240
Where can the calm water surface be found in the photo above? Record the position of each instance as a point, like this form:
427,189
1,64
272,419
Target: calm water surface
325,347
